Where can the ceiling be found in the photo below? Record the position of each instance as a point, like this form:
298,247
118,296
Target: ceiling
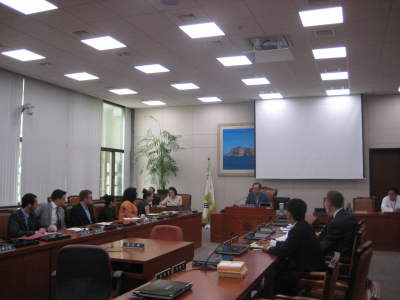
150,31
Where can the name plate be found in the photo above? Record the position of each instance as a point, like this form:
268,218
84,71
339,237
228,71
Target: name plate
227,243
164,274
179,267
4,248
84,233
133,245
235,239
153,220
145,221
97,230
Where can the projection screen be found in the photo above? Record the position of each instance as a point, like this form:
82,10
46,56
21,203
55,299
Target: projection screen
309,138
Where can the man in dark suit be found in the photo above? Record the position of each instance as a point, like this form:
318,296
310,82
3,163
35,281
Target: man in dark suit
256,196
299,252
52,213
338,234
82,213
23,222
156,199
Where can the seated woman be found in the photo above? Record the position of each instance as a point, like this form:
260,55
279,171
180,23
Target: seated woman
147,198
391,203
107,214
173,199
128,209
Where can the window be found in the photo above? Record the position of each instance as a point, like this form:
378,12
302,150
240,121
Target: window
112,150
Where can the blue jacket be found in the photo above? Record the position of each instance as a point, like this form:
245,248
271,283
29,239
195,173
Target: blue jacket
251,198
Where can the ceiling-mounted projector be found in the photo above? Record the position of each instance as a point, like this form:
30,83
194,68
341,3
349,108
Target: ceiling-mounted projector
270,49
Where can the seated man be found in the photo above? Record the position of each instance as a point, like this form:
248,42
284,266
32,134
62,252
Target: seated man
82,213
256,196
107,214
338,234
52,213
23,222
300,252
156,199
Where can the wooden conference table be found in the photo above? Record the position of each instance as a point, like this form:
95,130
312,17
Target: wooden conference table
208,285
25,272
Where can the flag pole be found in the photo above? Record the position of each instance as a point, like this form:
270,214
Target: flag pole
209,199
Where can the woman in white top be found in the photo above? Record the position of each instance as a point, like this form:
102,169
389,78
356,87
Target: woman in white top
391,203
173,199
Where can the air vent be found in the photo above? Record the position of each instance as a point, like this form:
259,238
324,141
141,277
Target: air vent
82,33
249,75
2,46
337,88
324,32
174,81
122,54
332,70
111,87
214,43
45,64
187,18
318,2
242,69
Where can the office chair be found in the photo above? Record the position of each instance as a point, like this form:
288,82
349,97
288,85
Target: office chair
166,232
84,272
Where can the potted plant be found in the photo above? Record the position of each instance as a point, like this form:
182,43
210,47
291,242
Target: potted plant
157,147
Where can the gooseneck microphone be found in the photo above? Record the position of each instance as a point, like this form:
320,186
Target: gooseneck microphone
210,267
234,204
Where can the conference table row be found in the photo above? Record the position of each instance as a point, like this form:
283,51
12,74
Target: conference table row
208,285
25,272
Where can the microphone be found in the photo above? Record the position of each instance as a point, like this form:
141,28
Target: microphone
210,267
234,204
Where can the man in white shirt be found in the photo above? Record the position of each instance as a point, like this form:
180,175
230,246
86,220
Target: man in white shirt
391,203
52,213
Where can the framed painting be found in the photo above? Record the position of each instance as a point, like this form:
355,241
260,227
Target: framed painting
236,149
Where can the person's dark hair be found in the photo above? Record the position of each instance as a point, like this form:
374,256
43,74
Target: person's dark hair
84,194
174,190
108,199
154,190
336,198
146,194
298,209
56,194
28,199
394,190
129,194
259,184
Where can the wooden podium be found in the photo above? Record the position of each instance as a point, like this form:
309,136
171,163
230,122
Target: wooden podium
239,219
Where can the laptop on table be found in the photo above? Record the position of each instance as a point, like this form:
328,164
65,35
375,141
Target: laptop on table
163,289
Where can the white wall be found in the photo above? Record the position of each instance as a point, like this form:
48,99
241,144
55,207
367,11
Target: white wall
198,126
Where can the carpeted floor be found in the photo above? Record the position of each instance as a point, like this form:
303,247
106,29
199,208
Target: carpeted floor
385,267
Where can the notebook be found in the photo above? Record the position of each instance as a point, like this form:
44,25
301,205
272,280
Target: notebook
214,259
163,289
233,250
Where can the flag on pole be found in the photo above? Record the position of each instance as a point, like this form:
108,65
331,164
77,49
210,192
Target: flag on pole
209,200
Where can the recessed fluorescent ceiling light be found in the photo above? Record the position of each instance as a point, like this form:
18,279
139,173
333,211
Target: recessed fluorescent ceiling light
338,92
329,52
209,99
333,15
23,55
29,6
153,102
156,68
334,75
185,86
81,76
234,60
256,81
399,88
122,91
271,96
103,43
202,30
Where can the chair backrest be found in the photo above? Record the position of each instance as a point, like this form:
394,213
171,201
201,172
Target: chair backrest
186,199
97,210
4,224
73,199
116,209
138,203
67,210
332,273
83,272
359,272
166,232
269,191
364,204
